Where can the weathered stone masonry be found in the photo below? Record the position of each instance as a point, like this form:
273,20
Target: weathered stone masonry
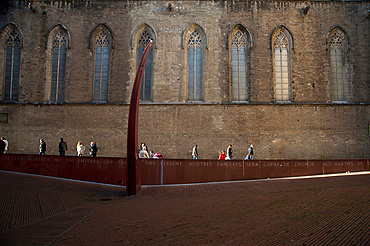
309,125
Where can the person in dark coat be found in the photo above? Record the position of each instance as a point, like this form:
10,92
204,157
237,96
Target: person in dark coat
42,147
93,149
62,147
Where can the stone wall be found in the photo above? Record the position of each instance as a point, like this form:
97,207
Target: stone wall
308,127
310,60
316,131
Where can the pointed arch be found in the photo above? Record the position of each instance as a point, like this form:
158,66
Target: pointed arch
53,30
195,45
58,42
334,29
140,38
282,44
101,43
239,45
243,29
12,41
282,28
337,46
139,30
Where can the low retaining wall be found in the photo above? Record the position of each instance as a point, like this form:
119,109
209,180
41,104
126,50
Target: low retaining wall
173,171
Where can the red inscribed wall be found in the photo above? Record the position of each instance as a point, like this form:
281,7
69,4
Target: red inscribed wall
173,171
100,170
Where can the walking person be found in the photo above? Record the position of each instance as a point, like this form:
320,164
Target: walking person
6,144
80,148
62,147
93,149
222,155
229,152
42,147
250,152
194,153
2,147
143,154
144,147
151,154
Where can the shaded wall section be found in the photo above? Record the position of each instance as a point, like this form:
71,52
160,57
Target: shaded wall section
173,171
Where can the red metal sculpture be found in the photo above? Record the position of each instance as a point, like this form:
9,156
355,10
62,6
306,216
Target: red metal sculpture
133,169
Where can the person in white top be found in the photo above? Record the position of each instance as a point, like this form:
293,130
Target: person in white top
80,148
194,153
6,144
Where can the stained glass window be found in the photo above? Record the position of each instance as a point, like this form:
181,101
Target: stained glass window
239,65
281,47
336,52
144,40
195,47
101,67
12,63
58,67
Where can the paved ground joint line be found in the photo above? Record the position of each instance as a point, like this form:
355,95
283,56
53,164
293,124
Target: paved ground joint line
70,228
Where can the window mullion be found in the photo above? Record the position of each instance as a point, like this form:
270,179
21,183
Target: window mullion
239,73
57,76
281,74
337,75
195,73
11,74
101,73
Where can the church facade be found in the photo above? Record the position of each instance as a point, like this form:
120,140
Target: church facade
290,77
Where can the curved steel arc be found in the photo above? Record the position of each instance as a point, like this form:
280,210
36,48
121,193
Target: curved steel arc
133,170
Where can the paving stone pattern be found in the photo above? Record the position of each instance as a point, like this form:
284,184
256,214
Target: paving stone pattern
330,210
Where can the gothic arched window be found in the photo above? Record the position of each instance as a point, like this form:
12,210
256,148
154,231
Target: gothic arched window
195,66
239,46
12,65
101,71
282,43
337,44
144,39
239,76
58,64
281,68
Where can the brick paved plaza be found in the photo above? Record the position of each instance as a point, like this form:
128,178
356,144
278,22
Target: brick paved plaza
330,210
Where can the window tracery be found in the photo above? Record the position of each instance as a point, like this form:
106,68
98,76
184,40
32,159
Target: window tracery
281,41
145,39
13,39
195,39
102,57
336,40
146,86
12,65
103,39
239,66
239,39
58,66
281,63
195,66
339,87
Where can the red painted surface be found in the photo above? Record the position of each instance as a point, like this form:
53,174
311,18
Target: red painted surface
133,168
97,169
173,171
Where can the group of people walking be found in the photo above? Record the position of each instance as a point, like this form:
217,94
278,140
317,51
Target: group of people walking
228,155
225,156
143,152
63,148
